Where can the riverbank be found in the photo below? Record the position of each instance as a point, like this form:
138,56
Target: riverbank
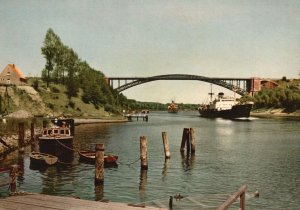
79,121
269,113
9,142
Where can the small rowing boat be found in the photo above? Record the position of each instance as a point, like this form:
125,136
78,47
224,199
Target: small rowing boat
89,156
39,158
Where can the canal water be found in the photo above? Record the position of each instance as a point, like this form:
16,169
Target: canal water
262,153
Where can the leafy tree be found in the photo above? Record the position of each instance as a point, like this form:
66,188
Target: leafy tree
49,50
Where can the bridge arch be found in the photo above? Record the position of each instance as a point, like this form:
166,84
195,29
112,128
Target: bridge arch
241,86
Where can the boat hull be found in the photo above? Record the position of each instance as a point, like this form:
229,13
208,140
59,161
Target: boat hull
237,111
88,156
173,111
61,147
42,159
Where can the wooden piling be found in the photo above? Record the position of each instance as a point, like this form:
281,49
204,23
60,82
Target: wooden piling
13,179
143,153
188,142
99,164
192,140
21,137
32,139
185,134
171,202
166,145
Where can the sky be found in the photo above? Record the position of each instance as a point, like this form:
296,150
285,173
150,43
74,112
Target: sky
212,38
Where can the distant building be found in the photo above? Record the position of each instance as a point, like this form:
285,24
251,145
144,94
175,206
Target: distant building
11,75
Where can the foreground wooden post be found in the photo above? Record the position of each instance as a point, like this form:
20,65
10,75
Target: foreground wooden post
13,179
184,138
21,137
240,193
192,140
166,145
171,202
99,164
143,153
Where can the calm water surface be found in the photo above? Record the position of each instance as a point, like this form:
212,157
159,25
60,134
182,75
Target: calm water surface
262,153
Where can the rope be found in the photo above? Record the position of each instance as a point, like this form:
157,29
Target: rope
66,146
130,163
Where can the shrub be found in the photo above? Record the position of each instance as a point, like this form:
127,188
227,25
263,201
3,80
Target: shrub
72,104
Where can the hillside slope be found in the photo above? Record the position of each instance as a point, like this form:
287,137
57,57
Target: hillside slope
48,102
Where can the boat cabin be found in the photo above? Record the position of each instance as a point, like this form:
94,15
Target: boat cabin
222,103
56,131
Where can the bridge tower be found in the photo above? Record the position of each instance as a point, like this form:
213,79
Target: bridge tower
255,85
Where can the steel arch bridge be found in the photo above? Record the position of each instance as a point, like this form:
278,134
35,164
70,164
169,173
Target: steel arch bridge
241,86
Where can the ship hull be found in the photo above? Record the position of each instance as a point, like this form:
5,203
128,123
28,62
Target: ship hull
237,111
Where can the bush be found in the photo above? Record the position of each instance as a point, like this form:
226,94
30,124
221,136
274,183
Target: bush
35,85
55,90
72,104
51,106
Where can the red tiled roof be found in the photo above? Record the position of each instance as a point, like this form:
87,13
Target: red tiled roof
20,74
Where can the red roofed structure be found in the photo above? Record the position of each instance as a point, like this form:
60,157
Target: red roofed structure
11,75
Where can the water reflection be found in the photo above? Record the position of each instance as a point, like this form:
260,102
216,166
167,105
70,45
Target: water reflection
143,180
99,192
187,161
165,169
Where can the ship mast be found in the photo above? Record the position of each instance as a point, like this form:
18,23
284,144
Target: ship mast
211,93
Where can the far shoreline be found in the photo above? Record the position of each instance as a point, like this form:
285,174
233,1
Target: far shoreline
271,113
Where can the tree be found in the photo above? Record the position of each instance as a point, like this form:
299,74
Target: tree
49,50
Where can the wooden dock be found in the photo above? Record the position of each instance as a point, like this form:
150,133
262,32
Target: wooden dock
43,202
136,116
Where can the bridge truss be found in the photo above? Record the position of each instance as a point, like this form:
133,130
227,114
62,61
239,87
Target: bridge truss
241,86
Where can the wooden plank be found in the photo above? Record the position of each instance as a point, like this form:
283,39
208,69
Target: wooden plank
39,202
241,192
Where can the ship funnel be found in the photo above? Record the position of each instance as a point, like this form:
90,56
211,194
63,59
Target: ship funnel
220,95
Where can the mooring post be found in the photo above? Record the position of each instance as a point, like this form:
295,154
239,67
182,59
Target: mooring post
188,142
171,202
13,179
184,138
192,140
32,140
99,164
143,153
21,137
166,145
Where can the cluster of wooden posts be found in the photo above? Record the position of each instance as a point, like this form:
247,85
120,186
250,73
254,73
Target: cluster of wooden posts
188,141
